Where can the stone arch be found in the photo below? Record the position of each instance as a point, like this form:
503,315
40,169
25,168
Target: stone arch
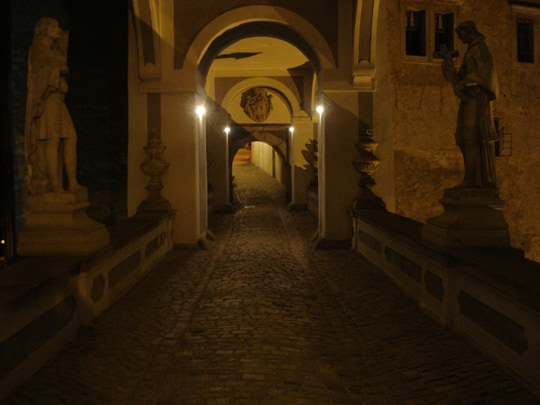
259,21
286,94
365,44
146,23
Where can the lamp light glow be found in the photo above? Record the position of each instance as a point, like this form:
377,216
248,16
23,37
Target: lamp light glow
291,129
200,110
319,109
227,130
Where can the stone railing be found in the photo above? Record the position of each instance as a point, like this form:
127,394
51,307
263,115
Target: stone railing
491,295
44,300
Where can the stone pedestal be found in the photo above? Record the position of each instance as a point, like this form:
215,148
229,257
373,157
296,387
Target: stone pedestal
366,164
154,167
56,224
472,217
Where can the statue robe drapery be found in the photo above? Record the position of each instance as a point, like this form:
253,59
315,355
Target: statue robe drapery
47,116
475,121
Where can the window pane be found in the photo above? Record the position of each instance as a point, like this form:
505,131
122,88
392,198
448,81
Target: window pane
415,39
525,40
444,31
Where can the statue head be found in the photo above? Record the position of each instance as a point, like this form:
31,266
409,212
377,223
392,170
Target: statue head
467,31
47,27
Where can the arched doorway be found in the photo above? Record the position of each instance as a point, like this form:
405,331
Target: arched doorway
263,88
178,77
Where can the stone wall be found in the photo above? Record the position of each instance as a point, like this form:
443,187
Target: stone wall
97,97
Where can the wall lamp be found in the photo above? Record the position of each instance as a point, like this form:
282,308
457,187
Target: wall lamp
227,130
319,109
200,110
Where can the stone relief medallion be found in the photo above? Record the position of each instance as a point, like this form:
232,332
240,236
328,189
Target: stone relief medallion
257,103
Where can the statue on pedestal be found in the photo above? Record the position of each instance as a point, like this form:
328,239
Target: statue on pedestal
472,214
55,220
50,137
476,86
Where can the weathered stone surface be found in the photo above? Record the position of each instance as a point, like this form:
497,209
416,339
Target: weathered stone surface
472,217
259,317
423,125
57,224
97,99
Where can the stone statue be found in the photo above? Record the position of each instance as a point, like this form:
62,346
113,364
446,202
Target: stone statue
50,137
476,86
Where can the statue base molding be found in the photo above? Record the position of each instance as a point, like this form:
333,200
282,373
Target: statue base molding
472,217
56,224
154,205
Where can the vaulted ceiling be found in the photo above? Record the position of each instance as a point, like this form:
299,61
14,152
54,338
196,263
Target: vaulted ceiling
257,54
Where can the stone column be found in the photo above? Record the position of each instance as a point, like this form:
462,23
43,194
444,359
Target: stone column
300,166
312,156
185,182
340,123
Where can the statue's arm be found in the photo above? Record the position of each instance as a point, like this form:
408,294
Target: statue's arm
61,52
45,77
449,71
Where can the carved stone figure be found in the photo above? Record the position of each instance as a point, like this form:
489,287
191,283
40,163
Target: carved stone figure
476,86
55,221
473,215
257,104
50,137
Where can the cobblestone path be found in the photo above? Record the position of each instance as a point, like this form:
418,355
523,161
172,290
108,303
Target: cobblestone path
260,318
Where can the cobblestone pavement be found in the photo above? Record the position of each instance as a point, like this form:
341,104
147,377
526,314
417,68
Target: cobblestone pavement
260,318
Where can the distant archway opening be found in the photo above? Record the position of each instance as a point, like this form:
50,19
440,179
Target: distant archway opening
260,171
226,70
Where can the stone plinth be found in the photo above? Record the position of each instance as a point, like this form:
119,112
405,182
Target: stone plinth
472,217
57,224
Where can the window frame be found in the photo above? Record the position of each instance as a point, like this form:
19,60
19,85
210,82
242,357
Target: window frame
430,11
520,12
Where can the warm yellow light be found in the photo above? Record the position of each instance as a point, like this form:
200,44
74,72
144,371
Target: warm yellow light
3,242
200,110
320,109
291,129
227,130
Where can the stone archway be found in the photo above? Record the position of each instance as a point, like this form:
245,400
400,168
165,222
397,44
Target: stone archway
288,110
168,99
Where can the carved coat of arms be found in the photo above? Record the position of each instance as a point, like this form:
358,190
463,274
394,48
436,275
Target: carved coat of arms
257,103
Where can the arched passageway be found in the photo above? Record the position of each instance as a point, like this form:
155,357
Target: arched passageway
197,64
263,89
259,317
252,163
